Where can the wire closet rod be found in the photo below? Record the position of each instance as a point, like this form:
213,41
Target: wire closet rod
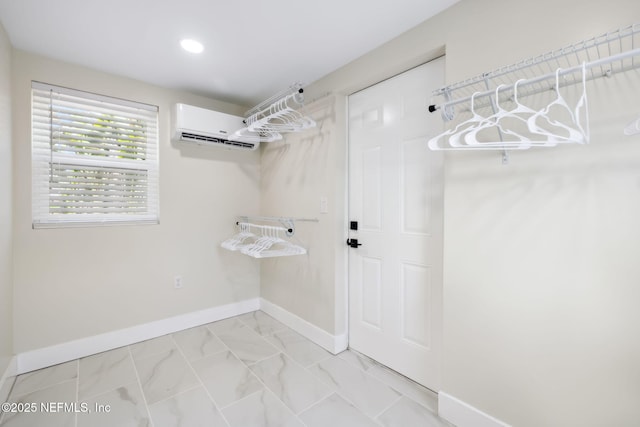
527,82
564,54
296,87
288,222
277,218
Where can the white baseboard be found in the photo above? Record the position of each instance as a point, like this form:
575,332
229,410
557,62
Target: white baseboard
462,414
8,375
60,353
332,343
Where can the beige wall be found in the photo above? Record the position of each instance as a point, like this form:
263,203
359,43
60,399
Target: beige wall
79,282
296,173
6,298
541,281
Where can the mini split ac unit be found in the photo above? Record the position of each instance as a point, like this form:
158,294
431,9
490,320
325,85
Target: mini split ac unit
212,128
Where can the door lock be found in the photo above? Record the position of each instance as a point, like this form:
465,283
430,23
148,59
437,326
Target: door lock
353,243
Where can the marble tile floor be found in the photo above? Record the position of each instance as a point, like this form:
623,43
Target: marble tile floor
246,371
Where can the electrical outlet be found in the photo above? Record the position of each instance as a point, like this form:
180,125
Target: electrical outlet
177,282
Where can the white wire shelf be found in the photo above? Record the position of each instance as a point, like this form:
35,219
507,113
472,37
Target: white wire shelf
604,55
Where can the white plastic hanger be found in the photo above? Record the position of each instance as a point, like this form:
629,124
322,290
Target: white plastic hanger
450,139
281,116
571,134
272,245
264,242
547,139
633,128
240,240
494,121
258,136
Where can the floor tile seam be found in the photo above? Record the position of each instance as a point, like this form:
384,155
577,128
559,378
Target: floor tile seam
245,323
257,361
245,364
284,327
257,334
318,402
422,404
408,396
164,399
110,390
331,385
228,405
43,388
398,399
101,377
400,394
404,377
206,326
275,331
283,348
387,383
300,365
75,423
199,358
327,357
295,363
381,382
329,393
225,349
266,390
4,419
249,365
256,377
13,384
15,381
201,382
138,359
264,385
365,358
329,388
140,387
352,403
349,402
242,325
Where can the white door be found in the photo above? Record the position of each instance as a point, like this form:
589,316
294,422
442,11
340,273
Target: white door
396,197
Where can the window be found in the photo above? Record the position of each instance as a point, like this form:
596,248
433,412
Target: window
94,159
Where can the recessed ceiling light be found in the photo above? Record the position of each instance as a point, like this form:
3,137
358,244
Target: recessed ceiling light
191,45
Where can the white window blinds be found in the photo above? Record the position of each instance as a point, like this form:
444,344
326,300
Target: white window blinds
94,159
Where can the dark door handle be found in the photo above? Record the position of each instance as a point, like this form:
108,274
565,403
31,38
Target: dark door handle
353,243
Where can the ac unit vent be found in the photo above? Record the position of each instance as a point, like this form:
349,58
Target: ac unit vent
204,139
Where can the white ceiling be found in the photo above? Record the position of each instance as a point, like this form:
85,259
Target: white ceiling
253,48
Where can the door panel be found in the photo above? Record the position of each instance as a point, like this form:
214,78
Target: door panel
395,193
371,294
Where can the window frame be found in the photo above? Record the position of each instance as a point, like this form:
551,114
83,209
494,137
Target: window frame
104,171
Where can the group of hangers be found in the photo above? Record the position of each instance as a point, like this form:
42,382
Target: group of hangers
268,243
280,117
522,127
